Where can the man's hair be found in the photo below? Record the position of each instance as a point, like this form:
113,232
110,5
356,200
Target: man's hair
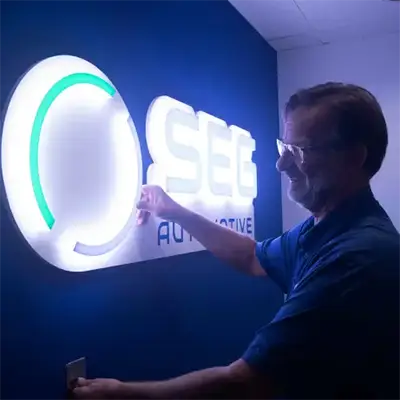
353,113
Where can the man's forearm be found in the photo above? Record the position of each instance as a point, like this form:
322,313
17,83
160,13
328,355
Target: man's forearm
212,383
232,247
235,381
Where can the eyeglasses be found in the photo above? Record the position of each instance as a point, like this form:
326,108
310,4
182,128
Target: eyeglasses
298,151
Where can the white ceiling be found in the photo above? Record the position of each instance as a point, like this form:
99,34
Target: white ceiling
289,24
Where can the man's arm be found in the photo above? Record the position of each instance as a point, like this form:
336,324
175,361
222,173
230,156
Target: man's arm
229,246
237,380
232,247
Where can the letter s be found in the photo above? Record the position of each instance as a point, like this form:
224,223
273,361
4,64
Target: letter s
172,134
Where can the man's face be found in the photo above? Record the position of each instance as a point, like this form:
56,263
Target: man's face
315,174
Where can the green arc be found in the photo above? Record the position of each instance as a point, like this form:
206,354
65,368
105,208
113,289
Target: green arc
51,95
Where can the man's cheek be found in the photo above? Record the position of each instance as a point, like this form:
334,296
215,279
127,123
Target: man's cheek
309,171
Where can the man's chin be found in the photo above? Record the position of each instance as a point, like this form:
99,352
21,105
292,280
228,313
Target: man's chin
300,194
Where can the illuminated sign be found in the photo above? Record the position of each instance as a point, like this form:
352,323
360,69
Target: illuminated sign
72,168
198,155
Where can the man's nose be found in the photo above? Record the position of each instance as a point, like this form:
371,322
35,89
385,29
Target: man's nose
284,161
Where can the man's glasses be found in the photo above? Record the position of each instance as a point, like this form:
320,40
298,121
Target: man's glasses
298,152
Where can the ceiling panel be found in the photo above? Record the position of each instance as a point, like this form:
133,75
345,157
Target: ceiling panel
297,41
332,35
273,18
289,24
354,16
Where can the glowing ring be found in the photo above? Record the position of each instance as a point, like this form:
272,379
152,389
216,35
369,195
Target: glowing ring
96,250
51,95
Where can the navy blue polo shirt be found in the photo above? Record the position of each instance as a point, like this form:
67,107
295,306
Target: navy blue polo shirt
337,334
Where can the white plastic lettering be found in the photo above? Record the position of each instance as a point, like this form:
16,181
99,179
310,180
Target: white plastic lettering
247,170
218,164
198,154
172,130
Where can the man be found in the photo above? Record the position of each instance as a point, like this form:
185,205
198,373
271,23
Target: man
337,334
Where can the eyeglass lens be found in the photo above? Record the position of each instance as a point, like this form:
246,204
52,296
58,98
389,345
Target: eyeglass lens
295,151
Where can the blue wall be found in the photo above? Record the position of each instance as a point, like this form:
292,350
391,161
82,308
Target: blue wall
156,319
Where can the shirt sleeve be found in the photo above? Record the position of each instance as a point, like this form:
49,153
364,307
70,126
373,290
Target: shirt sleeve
277,257
271,256
309,328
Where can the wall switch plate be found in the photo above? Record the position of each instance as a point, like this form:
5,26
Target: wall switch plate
74,370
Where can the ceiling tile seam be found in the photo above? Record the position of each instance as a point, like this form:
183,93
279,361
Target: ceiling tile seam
311,26
276,38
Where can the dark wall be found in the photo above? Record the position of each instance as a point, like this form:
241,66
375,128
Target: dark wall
161,318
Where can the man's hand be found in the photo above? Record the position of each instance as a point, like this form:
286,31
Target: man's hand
155,201
98,389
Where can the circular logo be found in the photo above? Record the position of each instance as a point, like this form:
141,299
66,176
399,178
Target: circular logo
71,163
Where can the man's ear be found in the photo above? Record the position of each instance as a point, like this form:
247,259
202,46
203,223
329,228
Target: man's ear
363,153
358,155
